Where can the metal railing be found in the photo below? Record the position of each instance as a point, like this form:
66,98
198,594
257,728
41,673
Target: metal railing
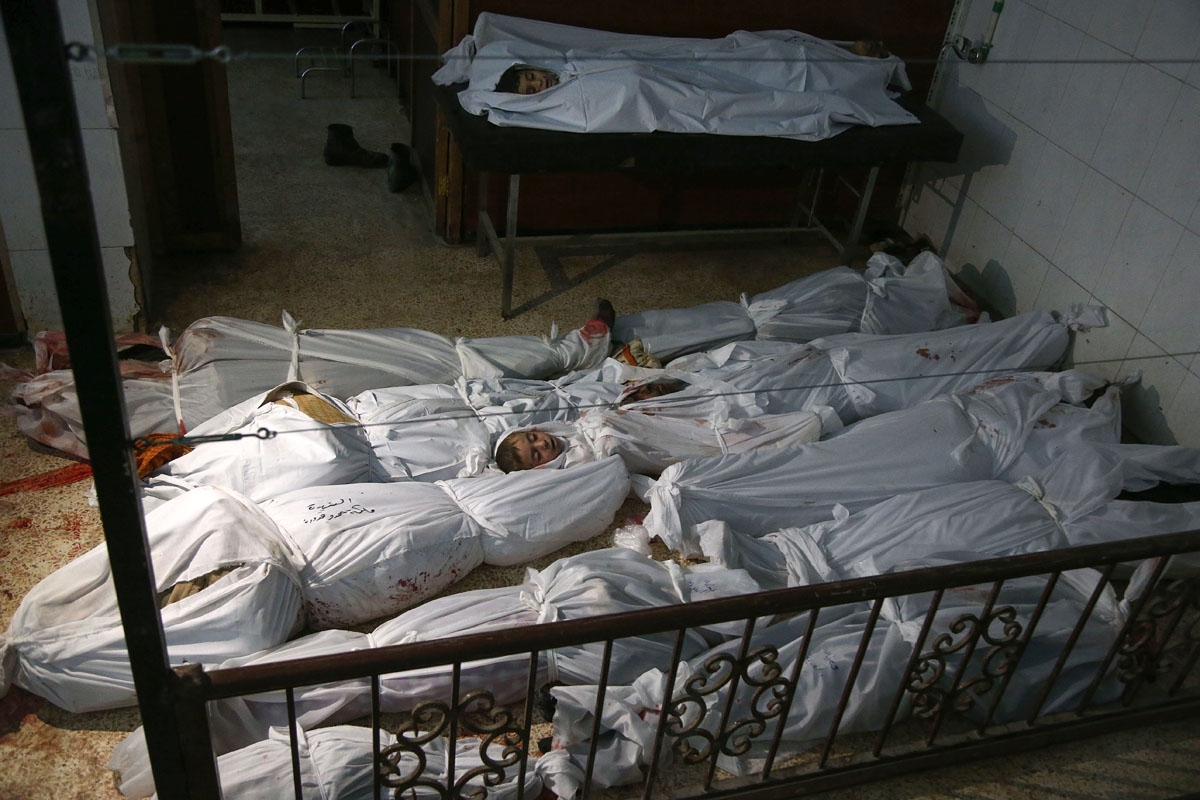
876,677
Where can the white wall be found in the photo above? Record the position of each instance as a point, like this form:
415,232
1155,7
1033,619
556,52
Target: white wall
1080,182
20,208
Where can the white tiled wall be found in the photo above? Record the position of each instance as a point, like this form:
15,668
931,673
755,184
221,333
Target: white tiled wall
1079,181
20,209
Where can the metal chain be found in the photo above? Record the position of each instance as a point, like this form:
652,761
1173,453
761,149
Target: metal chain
150,53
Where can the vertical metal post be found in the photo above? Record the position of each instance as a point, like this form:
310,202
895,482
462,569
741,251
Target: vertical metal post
482,245
510,245
860,218
43,80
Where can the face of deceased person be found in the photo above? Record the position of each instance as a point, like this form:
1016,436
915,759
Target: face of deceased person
532,81
649,390
535,448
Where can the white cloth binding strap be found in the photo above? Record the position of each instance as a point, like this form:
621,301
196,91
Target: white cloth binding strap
176,399
293,329
1035,490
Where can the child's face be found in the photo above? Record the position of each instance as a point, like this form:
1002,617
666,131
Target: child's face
536,449
532,81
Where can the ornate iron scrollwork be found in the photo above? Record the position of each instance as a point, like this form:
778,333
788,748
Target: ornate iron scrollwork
927,681
402,765
1145,652
687,712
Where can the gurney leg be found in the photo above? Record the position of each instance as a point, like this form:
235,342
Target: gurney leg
859,218
482,245
510,243
809,208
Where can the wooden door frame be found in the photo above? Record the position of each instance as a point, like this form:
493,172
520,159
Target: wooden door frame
147,152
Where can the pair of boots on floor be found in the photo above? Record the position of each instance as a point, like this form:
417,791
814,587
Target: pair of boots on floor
341,150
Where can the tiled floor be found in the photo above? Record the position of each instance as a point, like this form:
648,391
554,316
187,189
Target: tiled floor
335,249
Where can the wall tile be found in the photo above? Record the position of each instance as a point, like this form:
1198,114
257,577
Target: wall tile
1059,292
1094,83
1138,260
985,240
1101,351
35,286
90,102
1073,12
957,246
998,78
1183,415
1171,182
1044,84
930,214
1000,188
10,109
1132,131
1119,22
988,137
122,305
1172,32
109,200
76,20
1091,228
1048,198
1026,271
1091,194
1171,320
89,92
981,266
20,204
1144,403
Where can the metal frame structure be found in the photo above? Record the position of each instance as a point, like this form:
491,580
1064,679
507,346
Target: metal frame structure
948,707
489,149
488,242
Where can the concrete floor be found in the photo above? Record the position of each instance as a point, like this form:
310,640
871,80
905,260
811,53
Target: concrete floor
335,249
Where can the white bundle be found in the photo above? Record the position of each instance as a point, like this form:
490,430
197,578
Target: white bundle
374,549
630,714
648,443
65,643
302,451
970,436
586,585
887,298
861,375
424,433
217,362
769,83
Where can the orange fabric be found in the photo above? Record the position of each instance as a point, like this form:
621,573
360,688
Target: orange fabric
158,450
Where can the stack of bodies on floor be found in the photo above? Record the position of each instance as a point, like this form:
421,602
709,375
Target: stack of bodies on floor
736,398
331,554
1075,506
328,548
218,362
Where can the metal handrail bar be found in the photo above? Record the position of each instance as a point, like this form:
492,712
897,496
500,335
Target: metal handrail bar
235,681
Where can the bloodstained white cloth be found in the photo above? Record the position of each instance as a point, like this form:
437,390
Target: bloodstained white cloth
66,643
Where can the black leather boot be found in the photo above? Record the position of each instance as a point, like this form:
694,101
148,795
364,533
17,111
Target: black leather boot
400,171
341,150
